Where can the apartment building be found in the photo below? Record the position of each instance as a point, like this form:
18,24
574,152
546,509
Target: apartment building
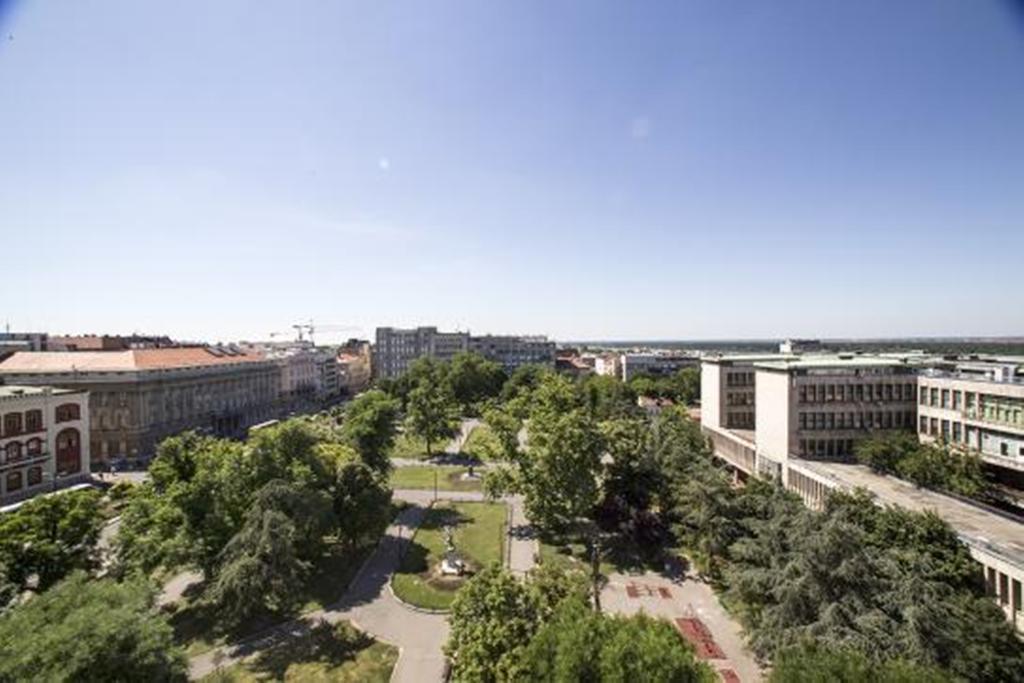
44,440
396,349
138,397
978,405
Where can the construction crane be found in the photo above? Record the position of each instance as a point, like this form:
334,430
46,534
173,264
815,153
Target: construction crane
312,328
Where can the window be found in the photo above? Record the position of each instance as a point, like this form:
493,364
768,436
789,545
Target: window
1004,448
13,481
957,431
924,396
69,452
933,397
924,425
12,424
34,446
13,451
933,426
68,412
957,399
33,421
35,476
945,398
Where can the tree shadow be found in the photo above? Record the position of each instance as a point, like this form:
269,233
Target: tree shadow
332,645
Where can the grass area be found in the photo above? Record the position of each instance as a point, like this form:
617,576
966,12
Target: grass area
570,552
407,446
482,443
327,653
449,478
479,539
198,627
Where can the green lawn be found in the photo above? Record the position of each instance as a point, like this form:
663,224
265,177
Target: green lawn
482,443
197,626
571,553
328,653
422,477
479,538
408,447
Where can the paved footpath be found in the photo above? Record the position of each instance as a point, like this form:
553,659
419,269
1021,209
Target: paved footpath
370,605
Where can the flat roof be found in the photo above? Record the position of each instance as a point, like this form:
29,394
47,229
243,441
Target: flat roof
747,358
7,390
815,362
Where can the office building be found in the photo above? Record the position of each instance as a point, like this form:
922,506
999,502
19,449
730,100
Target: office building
396,349
44,440
513,351
975,404
654,364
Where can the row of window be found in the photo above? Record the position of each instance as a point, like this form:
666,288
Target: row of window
954,432
982,406
879,419
824,448
15,482
739,379
15,424
15,451
739,398
839,393
744,420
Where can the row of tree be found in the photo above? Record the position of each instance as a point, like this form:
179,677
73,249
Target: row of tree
935,466
254,517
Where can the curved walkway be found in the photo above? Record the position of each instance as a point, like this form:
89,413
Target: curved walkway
369,604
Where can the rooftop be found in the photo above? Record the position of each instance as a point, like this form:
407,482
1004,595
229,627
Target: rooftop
842,360
14,390
27,362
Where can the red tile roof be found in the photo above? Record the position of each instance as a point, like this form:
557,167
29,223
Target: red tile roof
121,361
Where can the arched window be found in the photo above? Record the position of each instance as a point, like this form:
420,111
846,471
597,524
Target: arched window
13,481
33,421
35,476
34,446
13,451
69,452
12,424
67,412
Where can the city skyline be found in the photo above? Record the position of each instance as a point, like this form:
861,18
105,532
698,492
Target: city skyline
586,171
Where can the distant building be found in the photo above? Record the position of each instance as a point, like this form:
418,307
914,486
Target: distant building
571,363
801,346
513,351
658,364
354,371
396,349
328,375
138,397
608,364
44,440
653,405
107,342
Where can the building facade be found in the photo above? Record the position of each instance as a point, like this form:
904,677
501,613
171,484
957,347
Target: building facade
44,440
139,397
396,349
512,351
975,405
354,369
656,364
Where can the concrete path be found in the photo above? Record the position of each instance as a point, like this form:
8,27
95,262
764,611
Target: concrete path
684,597
370,605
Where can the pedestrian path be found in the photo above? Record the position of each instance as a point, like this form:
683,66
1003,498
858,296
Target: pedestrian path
369,604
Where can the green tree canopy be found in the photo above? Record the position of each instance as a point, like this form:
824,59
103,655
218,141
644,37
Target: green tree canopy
810,664
89,630
474,379
369,426
432,413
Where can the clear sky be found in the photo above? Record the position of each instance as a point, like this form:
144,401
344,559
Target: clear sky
588,170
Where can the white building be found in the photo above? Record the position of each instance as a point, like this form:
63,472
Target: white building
44,440
658,364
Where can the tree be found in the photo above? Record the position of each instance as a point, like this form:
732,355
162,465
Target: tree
369,426
8,590
580,645
49,537
152,533
492,617
432,413
360,496
811,664
473,379
261,569
89,630
607,397
883,453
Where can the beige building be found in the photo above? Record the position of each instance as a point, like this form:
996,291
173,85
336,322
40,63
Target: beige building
396,349
44,440
727,389
977,405
657,364
354,372
138,397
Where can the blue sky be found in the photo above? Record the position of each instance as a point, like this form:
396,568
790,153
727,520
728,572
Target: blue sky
582,169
